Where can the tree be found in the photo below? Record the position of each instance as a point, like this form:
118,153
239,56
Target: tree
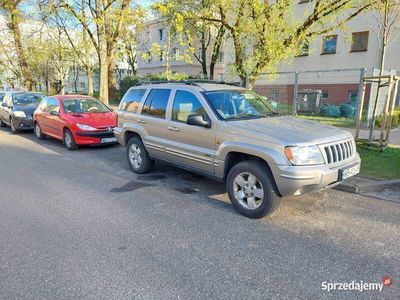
266,33
11,7
77,37
183,17
103,28
388,31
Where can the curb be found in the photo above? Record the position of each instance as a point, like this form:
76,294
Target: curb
345,187
370,186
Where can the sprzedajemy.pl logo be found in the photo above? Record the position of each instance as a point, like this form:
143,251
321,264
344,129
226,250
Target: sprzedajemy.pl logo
359,286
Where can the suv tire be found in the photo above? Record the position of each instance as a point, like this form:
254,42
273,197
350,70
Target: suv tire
251,189
138,157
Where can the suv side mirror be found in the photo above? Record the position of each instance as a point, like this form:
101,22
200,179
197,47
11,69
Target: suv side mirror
198,120
54,113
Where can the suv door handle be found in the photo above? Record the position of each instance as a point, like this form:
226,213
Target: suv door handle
172,128
142,121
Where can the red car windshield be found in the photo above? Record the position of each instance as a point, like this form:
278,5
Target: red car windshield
84,105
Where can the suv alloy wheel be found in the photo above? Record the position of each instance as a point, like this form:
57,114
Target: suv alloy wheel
138,157
251,190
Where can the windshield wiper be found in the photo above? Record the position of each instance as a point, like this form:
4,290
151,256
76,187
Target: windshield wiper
243,117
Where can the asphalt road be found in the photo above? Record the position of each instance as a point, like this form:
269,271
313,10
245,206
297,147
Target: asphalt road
80,225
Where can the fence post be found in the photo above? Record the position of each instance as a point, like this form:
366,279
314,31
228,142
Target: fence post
363,71
296,89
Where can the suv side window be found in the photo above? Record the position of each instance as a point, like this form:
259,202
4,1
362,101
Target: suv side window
132,100
52,105
156,103
186,104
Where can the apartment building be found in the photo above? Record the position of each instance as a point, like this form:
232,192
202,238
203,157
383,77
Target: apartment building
334,63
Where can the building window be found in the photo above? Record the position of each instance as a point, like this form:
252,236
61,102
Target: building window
329,44
220,57
161,55
304,1
200,53
83,85
161,34
359,41
221,77
149,57
304,49
325,95
176,54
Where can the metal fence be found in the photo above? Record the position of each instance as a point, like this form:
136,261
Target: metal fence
325,95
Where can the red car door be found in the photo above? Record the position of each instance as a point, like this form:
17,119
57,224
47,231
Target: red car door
52,117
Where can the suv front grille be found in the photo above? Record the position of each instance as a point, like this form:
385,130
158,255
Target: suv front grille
338,152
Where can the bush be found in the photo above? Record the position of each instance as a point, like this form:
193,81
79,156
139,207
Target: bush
395,119
329,110
347,110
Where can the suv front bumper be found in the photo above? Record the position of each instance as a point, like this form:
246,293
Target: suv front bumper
119,134
299,180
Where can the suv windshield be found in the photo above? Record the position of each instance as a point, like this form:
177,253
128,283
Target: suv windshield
239,104
84,105
27,98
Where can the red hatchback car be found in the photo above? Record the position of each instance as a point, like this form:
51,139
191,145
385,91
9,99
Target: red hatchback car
76,120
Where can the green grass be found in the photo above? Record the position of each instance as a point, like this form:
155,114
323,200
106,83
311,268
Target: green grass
342,121
379,164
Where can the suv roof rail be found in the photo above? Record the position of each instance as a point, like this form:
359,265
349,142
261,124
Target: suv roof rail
194,82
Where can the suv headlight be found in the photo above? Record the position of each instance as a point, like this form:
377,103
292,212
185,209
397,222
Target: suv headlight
85,127
19,114
304,155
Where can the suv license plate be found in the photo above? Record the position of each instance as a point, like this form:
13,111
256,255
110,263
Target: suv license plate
349,172
108,140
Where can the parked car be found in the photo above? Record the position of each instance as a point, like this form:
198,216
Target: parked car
233,134
17,109
76,120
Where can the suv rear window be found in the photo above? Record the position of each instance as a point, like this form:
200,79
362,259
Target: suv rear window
156,103
132,99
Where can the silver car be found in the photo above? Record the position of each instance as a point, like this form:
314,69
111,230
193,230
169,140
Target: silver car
236,136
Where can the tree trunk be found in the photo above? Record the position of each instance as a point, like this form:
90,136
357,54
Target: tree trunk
62,86
103,91
103,57
14,26
216,50
111,76
89,77
204,55
382,67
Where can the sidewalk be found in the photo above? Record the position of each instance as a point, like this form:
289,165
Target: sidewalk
394,137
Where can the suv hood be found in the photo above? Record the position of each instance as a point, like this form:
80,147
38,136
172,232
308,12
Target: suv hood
291,130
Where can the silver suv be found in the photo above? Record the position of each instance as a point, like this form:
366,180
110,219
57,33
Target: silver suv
236,136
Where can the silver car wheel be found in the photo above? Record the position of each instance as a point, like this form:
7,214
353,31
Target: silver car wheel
248,190
68,139
37,130
12,124
135,156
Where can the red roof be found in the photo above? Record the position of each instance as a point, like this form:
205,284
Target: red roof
63,97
